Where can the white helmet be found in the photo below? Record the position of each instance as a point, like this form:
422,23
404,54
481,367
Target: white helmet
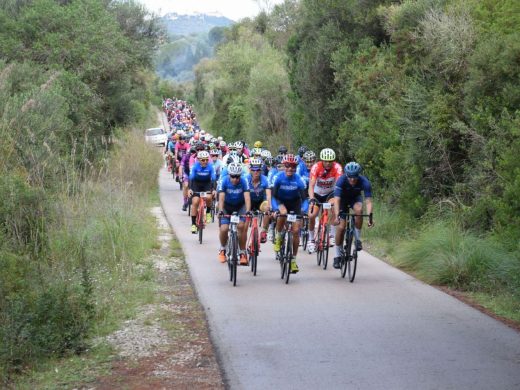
220,138
327,155
266,153
235,168
202,155
239,145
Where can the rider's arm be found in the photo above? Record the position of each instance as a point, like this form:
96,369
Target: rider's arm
221,198
368,205
247,199
268,196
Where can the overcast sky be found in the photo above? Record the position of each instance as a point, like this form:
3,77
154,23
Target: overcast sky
233,9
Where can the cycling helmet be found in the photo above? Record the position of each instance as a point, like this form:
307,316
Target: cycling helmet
289,159
222,143
239,145
220,138
327,155
278,160
301,150
353,169
256,152
202,155
265,154
213,140
309,156
282,149
235,168
255,164
232,146
258,144
199,145
214,152
269,161
211,145
233,159
193,150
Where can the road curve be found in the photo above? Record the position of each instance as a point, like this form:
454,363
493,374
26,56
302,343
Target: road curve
387,330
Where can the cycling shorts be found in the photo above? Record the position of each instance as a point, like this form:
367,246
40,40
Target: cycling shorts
293,205
201,186
348,203
230,209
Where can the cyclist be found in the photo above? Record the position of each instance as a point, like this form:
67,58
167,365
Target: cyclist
181,148
347,194
288,192
323,177
260,192
184,169
233,196
258,144
202,179
282,150
215,160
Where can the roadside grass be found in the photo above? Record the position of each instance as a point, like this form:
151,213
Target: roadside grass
442,253
99,247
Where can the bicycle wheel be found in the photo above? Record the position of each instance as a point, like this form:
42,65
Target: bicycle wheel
326,242
200,219
352,263
254,250
288,257
234,258
280,256
345,261
319,246
305,234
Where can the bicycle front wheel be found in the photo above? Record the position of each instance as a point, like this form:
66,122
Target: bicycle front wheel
234,258
345,257
326,243
352,264
288,257
254,251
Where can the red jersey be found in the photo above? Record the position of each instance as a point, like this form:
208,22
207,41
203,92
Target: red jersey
325,179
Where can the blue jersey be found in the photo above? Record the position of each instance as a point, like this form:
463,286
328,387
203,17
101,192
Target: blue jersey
217,166
345,190
302,170
171,146
234,192
271,175
258,193
288,188
200,173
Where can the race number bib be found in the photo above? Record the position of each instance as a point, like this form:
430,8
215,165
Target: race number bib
235,219
291,218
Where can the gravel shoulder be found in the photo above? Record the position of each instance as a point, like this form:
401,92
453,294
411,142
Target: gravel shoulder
167,345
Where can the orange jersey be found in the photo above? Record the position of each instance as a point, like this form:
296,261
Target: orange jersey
325,179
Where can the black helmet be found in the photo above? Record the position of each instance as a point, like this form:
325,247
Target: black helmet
301,150
282,149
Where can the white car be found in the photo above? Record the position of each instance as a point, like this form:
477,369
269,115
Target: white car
156,136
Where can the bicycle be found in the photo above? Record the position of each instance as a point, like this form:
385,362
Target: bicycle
323,236
253,241
232,246
201,214
286,250
349,255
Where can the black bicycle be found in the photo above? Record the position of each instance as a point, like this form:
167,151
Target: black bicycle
286,250
232,247
304,231
349,257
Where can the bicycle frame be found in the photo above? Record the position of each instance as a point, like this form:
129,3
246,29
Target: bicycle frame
286,250
350,254
322,238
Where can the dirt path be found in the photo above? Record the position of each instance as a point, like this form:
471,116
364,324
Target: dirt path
167,346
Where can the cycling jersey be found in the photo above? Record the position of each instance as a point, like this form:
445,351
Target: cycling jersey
304,172
181,149
349,193
234,193
288,187
200,173
271,176
325,179
258,191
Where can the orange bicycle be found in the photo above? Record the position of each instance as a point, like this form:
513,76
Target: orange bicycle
323,236
201,215
253,242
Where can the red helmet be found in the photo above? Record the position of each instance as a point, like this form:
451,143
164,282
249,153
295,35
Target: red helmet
289,159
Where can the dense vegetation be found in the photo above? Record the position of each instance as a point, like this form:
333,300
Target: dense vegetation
73,222
425,94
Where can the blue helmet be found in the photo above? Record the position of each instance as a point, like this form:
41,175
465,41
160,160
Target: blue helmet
353,169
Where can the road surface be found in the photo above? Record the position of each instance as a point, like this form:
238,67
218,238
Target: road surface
386,330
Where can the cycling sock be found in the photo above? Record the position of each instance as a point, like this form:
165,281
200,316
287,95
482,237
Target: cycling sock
333,230
222,248
278,235
357,233
338,250
311,235
193,220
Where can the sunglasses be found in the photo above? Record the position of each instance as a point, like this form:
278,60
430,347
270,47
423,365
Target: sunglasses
255,169
291,166
234,176
203,159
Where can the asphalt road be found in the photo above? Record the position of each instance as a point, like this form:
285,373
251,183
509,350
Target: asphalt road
386,330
